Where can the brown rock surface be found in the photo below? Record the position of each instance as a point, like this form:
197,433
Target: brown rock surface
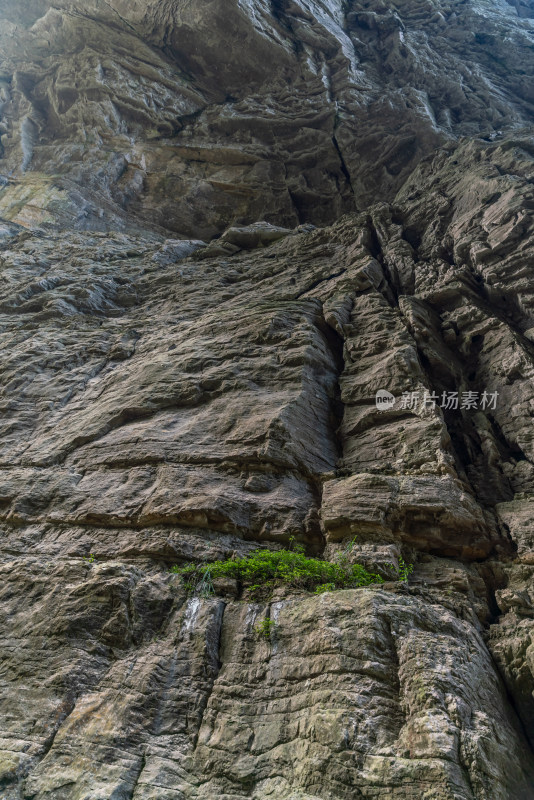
189,370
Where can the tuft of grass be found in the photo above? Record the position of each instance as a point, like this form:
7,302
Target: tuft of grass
264,570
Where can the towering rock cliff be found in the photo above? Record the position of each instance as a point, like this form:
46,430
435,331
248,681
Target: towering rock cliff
225,225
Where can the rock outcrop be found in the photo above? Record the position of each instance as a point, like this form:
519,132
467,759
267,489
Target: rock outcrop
191,116
225,227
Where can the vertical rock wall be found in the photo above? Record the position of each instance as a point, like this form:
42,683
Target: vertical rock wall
178,387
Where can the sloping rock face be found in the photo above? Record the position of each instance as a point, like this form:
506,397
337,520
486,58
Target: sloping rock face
191,116
225,227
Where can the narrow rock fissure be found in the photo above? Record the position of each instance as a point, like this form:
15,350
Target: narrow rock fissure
527,737
343,163
216,667
135,783
391,295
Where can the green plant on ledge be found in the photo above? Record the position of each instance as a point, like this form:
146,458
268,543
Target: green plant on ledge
324,587
405,570
265,628
263,570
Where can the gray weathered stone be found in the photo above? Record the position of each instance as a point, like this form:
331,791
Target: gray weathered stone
224,227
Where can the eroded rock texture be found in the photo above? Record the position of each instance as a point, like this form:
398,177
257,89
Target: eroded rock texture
225,225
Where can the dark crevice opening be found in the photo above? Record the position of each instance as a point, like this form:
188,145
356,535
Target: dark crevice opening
342,163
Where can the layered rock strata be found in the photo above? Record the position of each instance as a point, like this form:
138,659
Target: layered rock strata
210,267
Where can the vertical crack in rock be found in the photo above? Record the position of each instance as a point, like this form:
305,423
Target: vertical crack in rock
344,168
213,652
130,794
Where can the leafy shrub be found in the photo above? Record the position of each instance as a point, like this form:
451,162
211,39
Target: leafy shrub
263,570
405,570
325,587
265,628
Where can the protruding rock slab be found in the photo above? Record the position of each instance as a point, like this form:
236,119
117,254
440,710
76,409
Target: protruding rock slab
433,513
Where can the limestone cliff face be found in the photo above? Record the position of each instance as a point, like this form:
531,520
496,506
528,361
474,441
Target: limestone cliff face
225,225
193,115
